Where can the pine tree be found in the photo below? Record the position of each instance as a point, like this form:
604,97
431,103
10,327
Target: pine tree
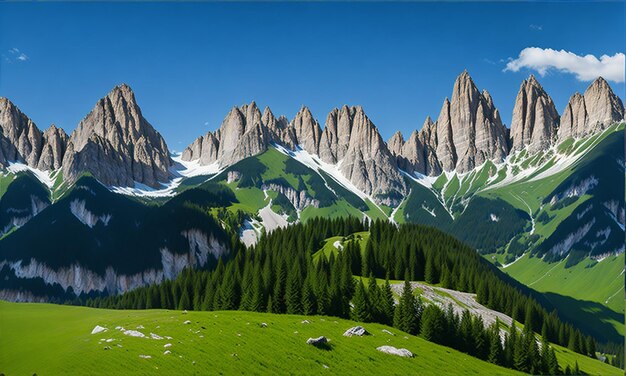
184,302
591,347
495,346
429,271
553,363
308,298
367,260
408,310
432,324
293,299
387,304
374,298
360,310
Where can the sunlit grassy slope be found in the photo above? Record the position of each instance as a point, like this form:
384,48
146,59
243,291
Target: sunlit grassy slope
50,339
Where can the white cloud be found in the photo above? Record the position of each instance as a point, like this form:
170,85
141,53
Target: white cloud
206,123
585,68
535,27
15,55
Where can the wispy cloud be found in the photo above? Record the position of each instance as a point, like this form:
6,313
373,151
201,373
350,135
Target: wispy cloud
15,55
206,123
585,68
535,27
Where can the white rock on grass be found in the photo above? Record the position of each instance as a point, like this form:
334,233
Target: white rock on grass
263,325
317,341
155,336
98,329
305,322
388,332
145,356
167,352
395,351
134,333
167,345
187,322
356,331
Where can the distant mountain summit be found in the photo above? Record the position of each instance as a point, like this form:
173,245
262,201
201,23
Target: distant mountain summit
117,145
591,112
21,140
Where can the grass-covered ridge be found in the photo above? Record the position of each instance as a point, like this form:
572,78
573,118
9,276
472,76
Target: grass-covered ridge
232,342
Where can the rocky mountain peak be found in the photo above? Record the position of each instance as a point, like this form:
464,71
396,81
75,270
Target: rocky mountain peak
307,130
591,112
395,143
117,144
243,133
535,118
20,140
469,128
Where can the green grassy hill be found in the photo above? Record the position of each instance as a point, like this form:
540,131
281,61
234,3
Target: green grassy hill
49,339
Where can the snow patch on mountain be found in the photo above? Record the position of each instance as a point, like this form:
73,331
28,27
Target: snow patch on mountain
180,170
46,177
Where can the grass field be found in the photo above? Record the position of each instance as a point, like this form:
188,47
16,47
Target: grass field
49,340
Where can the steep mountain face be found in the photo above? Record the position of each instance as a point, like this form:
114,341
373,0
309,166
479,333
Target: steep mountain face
469,128
592,112
241,135
21,140
351,140
117,145
307,130
418,154
54,146
535,118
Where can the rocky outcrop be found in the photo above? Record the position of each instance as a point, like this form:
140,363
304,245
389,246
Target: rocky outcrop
54,146
307,130
117,145
592,112
299,199
395,351
352,141
241,135
20,140
280,129
535,118
82,279
469,128
418,153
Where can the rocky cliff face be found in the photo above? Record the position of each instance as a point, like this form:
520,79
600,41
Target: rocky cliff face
418,153
535,118
592,112
469,128
241,135
117,145
21,141
352,141
349,138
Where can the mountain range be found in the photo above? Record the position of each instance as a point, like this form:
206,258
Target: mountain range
109,208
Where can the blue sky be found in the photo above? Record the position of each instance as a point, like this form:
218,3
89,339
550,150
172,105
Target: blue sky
189,63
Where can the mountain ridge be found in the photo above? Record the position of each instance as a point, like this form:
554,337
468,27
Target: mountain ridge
119,147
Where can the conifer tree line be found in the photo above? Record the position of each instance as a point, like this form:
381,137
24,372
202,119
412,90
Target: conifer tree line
279,275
